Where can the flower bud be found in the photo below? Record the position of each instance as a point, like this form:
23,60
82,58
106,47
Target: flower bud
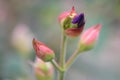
72,23
42,51
43,70
89,37
78,22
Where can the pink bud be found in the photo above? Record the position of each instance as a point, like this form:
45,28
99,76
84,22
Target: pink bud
89,37
42,51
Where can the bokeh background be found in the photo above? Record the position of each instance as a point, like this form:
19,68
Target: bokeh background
21,20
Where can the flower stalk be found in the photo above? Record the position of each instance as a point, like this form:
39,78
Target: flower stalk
56,65
63,49
72,58
62,54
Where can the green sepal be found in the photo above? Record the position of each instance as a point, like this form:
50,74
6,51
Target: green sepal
84,47
48,57
67,23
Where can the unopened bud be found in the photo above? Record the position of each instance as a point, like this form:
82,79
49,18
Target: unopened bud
43,70
42,51
89,37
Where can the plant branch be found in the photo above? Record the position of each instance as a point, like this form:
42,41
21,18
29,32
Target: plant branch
72,58
62,54
56,65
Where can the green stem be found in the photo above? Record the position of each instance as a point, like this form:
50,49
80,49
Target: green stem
61,70
72,58
62,55
61,76
56,65
63,50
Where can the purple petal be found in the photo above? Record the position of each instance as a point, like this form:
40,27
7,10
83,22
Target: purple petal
79,19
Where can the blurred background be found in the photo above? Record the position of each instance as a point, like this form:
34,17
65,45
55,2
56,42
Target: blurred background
21,20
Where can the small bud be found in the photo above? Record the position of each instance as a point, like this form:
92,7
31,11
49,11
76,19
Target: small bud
43,70
89,37
78,26
72,23
42,51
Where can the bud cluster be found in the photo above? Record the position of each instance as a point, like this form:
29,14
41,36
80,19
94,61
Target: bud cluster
72,25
